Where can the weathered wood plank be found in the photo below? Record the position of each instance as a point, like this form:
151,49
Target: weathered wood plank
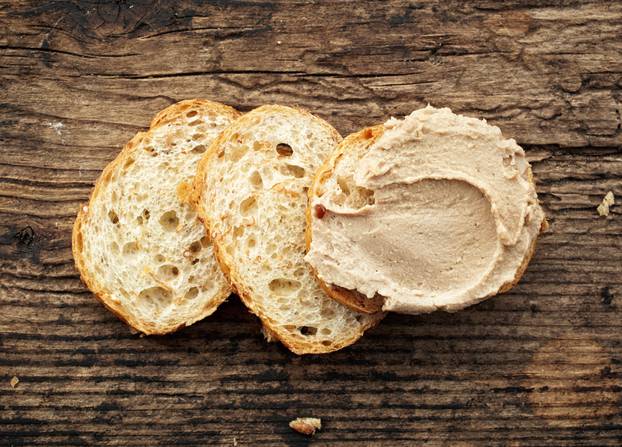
548,74
539,365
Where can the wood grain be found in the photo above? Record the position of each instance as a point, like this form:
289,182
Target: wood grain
539,365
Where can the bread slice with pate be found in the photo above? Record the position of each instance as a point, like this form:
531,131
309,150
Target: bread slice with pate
435,211
251,191
138,245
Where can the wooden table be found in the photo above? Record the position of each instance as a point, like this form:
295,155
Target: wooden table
539,365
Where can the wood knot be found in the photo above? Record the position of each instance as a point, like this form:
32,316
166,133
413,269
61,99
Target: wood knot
25,236
606,296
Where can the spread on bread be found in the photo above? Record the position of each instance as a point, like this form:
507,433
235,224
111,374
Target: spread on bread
435,211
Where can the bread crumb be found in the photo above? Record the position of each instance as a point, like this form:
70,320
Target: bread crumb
268,335
235,442
56,127
306,426
608,200
14,381
368,133
278,42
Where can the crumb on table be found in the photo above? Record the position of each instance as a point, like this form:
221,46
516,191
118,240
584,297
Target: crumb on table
306,426
14,381
608,200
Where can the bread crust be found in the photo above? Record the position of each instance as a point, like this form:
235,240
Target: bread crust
352,298
98,290
228,266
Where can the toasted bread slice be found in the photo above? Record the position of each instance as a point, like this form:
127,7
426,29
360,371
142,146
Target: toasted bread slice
138,245
344,163
355,144
251,191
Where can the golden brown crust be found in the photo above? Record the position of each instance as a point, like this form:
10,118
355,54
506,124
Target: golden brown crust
173,111
98,290
226,263
352,298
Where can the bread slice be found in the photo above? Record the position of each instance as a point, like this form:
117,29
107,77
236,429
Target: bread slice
343,163
251,190
355,145
138,245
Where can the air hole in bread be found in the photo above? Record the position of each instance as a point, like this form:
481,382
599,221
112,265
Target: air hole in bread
238,232
113,217
194,123
327,342
205,242
250,243
169,220
307,330
221,153
284,149
155,297
130,248
236,152
195,261
144,216
256,180
284,286
150,150
293,170
192,113
195,247
159,258
168,272
343,183
248,206
191,293
198,136
229,249
298,273
198,149
114,247
129,162
352,195
327,313
325,331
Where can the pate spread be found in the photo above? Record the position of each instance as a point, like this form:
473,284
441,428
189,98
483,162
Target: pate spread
438,212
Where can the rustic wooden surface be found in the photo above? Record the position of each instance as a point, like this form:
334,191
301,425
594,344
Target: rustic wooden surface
540,365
